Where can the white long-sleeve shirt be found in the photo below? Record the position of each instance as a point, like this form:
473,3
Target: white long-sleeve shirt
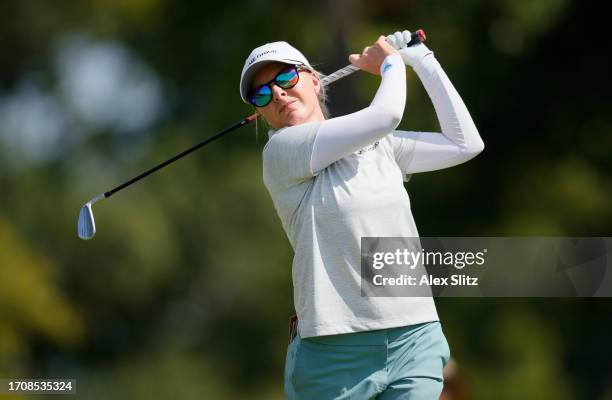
458,142
336,181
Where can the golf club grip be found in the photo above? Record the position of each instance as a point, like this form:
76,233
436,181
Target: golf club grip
416,37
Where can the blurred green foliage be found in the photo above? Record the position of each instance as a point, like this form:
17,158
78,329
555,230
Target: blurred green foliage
186,289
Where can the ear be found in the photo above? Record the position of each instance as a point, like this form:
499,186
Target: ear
316,82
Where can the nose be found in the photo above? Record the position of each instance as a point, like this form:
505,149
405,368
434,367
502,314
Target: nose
277,92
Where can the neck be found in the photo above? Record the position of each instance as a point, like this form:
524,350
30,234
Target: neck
316,116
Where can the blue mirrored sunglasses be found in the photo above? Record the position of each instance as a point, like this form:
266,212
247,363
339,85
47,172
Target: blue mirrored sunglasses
287,78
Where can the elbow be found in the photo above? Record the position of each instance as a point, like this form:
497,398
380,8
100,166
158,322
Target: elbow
393,122
390,119
474,148
478,147
386,116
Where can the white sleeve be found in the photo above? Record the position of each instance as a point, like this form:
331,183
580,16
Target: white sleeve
341,136
459,141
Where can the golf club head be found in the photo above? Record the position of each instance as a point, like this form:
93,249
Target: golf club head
86,226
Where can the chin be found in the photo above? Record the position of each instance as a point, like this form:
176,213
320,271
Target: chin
295,119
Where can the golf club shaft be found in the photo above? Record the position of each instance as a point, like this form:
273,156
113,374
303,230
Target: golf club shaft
182,154
417,37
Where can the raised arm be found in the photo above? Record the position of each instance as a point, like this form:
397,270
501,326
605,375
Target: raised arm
459,140
341,136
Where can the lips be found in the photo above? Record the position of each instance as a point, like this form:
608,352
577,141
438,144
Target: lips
284,106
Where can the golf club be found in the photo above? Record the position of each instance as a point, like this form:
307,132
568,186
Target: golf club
86,226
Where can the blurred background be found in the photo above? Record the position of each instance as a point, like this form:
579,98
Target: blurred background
186,289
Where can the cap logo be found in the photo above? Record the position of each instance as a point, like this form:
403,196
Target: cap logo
252,60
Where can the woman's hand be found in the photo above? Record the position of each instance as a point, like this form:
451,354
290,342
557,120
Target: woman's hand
412,55
373,56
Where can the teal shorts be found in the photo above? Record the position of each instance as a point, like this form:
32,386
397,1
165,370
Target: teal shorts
397,363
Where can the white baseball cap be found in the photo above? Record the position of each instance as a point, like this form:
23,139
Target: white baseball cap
266,54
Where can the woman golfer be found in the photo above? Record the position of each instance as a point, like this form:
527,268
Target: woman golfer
334,181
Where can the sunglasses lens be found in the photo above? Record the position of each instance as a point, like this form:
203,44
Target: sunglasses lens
287,78
261,96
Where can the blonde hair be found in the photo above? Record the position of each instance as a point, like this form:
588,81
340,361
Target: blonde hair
322,96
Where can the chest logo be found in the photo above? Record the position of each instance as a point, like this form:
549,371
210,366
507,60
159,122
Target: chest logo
369,148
